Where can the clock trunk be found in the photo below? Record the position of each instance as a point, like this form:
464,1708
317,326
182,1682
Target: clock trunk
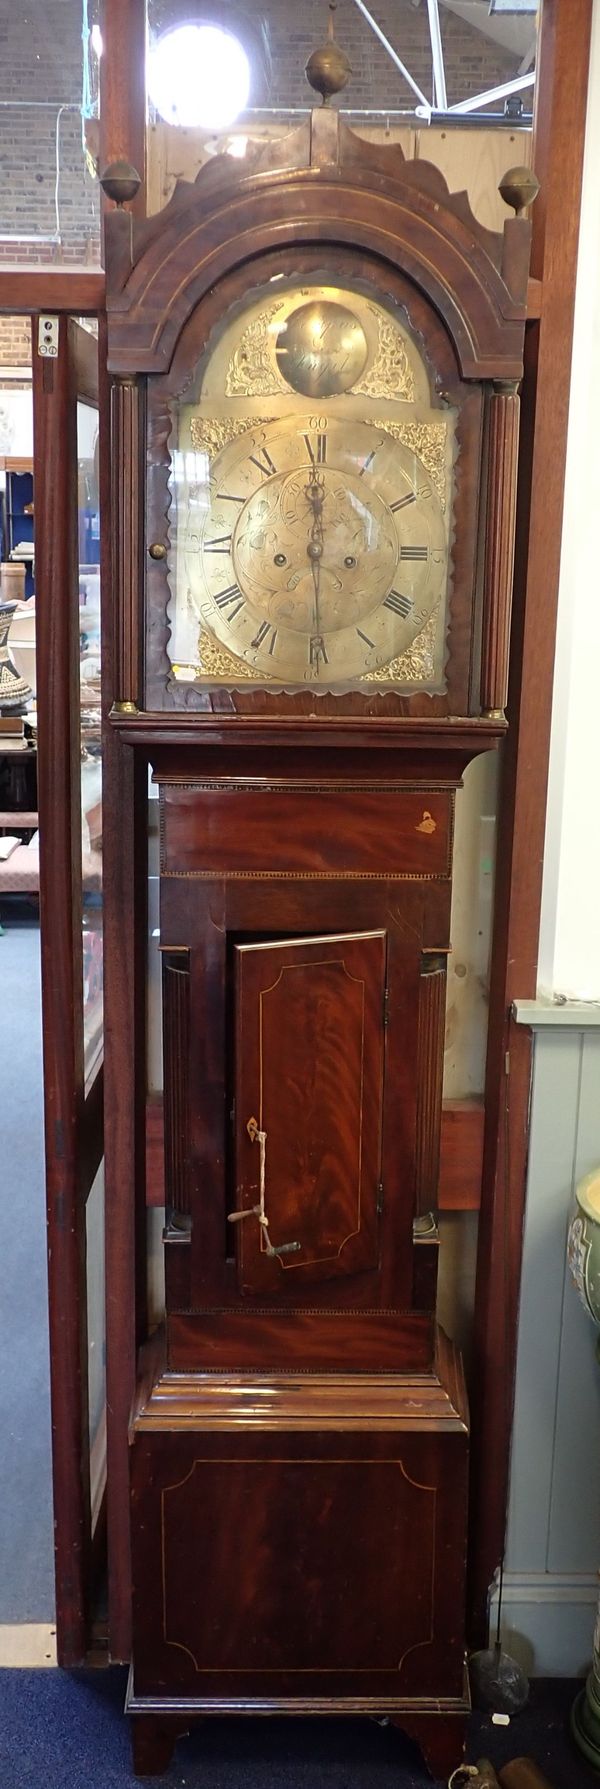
315,361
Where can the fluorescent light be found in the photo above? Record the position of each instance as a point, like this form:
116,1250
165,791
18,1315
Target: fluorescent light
199,75
96,40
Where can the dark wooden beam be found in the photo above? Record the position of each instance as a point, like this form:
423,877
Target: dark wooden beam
122,135
79,291
558,158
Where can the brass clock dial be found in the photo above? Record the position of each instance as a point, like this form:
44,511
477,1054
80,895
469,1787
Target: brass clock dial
321,555
311,492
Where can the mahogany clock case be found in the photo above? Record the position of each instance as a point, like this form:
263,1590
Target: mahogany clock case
299,1440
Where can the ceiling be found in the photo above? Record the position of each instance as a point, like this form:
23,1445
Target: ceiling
514,31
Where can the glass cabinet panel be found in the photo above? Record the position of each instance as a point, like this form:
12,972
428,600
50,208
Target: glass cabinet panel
412,65
91,734
49,194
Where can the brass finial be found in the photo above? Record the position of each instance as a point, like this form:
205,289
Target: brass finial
120,182
328,69
519,187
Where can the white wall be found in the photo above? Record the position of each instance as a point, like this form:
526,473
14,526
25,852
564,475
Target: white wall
570,935
553,1547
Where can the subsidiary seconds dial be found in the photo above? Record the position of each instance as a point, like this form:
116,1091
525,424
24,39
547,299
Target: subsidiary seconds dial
323,553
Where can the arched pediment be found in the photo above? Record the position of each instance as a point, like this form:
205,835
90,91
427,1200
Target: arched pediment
319,184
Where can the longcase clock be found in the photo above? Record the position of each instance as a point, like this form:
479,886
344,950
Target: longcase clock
315,357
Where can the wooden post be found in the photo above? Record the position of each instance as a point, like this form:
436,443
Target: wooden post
122,137
62,975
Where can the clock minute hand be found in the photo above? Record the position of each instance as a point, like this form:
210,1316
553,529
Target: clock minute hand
315,494
315,566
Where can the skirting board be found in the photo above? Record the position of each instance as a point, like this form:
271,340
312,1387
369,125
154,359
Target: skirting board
27,1646
547,1621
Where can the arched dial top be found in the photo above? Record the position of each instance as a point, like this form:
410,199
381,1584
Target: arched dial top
309,521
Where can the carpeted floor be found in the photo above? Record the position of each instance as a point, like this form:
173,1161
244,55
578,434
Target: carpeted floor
68,1732
27,1569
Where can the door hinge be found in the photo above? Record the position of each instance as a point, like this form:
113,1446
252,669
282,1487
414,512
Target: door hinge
379,1198
386,1008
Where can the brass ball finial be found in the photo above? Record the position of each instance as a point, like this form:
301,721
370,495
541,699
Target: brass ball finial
519,187
120,182
328,69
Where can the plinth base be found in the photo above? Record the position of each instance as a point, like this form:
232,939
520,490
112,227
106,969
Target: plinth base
298,1548
437,1728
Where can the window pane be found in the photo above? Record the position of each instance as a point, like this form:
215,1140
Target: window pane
49,193
477,52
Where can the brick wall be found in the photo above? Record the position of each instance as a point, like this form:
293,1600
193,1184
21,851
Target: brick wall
295,27
15,341
41,59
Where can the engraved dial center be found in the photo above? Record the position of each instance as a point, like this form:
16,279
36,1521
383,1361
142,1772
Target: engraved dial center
284,535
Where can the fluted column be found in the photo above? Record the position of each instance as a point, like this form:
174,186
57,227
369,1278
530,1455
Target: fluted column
127,541
503,447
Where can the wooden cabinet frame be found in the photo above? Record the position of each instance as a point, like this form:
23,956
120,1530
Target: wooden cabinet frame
558,156
73,1111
